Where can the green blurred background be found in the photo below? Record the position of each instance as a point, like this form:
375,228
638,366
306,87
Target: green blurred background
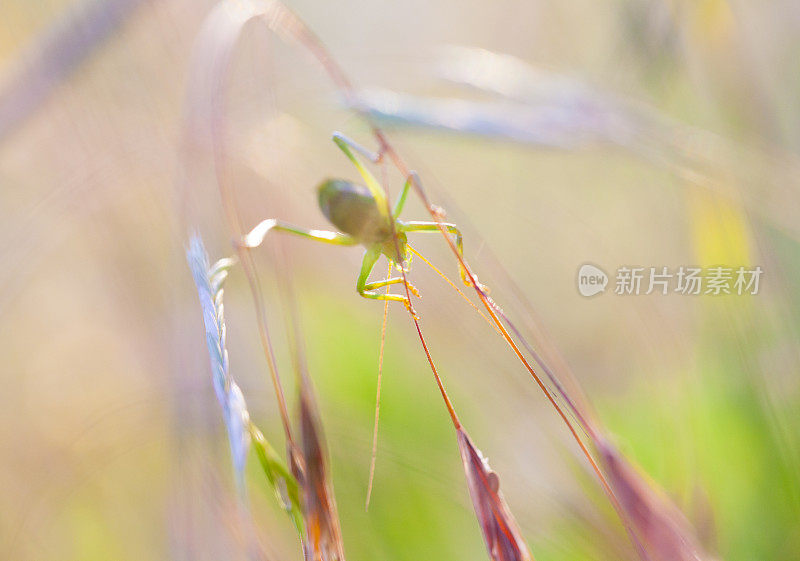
111,439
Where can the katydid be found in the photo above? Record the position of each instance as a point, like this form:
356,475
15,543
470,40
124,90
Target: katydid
363,217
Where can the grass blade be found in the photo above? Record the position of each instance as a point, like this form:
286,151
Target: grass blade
55,54
287,490
500,531
661,526
323,534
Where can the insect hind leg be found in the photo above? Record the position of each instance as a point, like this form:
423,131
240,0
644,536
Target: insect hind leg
374,157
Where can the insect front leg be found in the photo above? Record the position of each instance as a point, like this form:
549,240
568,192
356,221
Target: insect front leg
370,289
256,236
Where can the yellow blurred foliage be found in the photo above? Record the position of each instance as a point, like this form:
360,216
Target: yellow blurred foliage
720,233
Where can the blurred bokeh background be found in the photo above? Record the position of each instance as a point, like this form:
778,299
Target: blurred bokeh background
111,439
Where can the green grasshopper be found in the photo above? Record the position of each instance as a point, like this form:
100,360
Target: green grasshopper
362,214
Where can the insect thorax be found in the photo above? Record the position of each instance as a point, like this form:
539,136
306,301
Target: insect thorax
389,249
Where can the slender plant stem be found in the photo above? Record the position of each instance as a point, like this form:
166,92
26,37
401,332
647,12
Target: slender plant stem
245,258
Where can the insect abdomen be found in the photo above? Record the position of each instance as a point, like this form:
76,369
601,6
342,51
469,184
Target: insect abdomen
353,210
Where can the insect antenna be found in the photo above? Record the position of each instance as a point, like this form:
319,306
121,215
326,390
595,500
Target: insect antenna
378,395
